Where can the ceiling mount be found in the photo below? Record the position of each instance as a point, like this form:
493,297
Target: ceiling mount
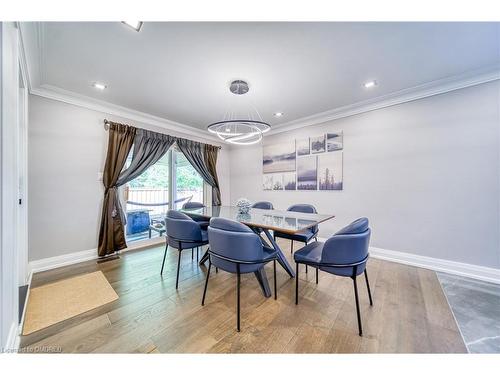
239,87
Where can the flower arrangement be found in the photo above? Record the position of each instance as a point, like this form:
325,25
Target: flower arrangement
243,205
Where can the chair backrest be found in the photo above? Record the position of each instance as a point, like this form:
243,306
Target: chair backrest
348,245
263,205
234,240
181,227
188,205
307,209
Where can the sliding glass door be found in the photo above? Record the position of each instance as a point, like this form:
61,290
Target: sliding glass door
188,183
147,199
169,183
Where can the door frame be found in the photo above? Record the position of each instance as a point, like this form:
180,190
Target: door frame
22,154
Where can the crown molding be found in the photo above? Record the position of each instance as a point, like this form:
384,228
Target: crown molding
30,50
407,95
69,97
32,46
426,90
33,36
23,63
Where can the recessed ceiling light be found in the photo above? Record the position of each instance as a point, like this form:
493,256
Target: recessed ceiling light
136,25
99,86
278,114
370,84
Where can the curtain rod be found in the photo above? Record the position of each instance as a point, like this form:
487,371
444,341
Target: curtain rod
106,127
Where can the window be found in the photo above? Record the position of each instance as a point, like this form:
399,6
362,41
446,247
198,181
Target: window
188,182
147,197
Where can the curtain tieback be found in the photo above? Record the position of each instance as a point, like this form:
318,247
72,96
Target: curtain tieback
115,192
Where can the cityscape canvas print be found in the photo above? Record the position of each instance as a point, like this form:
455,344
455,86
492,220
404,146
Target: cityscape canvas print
330,171
314,164
289,181
279,158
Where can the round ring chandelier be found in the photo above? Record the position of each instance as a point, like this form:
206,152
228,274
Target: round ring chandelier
238,129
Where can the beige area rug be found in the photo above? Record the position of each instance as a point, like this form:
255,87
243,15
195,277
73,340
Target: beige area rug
52,303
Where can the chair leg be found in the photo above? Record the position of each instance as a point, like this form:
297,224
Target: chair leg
296,283
149,232
317,275
291,247
275,283
216,269
197,254
164,256
368,287
178,268
306,264
357,305
238,282
206,283
192,253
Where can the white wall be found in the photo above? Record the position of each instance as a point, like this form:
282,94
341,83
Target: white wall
8,178
67,150
426,174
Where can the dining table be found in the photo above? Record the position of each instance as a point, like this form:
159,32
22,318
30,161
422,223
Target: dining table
262,221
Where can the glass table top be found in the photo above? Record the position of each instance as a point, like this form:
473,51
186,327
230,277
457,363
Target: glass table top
283,221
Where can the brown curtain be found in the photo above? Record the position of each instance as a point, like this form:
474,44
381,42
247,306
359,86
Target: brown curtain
111,234
203,158
210,156
149,147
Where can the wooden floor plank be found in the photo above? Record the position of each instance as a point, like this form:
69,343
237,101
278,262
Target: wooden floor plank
410,312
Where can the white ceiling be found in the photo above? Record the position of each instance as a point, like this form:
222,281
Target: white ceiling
181,71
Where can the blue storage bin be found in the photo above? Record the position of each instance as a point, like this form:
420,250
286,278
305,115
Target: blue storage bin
137,221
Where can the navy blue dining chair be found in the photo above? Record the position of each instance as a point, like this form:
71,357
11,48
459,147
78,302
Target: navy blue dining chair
263,205
305,235
200,220
344,254
193,205
182,233
235,248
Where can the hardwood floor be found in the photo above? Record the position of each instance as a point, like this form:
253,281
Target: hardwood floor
410,312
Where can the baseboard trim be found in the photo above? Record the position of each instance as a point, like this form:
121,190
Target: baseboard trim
46,264
62,260
491,275
13,340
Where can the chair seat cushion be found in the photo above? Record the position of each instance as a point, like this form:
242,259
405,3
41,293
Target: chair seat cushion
310,253
302,236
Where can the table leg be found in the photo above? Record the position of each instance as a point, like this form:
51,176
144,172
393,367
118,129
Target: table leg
281,257
261,277
204,258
